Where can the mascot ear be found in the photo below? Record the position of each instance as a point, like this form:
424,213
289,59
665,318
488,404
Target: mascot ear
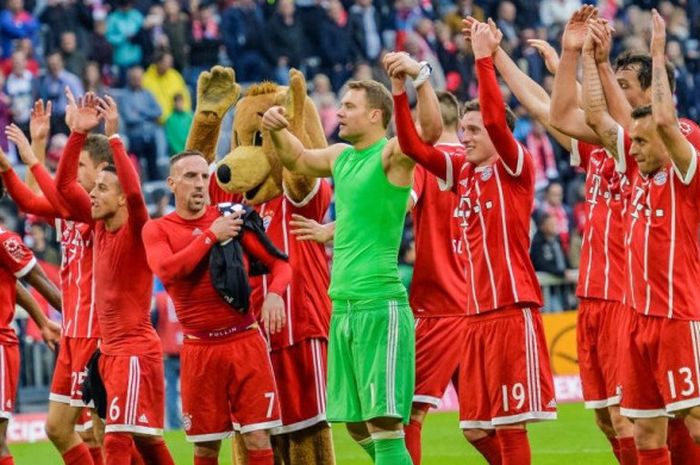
295,99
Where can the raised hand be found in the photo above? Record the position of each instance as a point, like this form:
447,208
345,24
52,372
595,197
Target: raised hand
577,27
82,115
108,111
601,33
399,65
40,122
658,34
17,137
275,119
547,52
485,40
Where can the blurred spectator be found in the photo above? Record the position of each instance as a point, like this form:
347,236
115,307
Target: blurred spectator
555,13
204,41
407,258
540,147
463,9
25,47
124,33
506,23
140,112
92,79
41,247
53,153
154,36
285,40
326,102
73,58
365,23
15,24
52,87
22,89
548,256
164,82
176,25
177,127
101,48
338,50
553,205
244,35
5,112
67,15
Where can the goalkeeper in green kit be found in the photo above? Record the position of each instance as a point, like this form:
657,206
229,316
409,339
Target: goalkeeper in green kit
371,350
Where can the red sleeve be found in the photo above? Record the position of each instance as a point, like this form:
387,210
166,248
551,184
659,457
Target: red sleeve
48,187
131,185
419,175
581,153
432,159
493,113
26,199
14,255
280,271
164,263
73,195
691,131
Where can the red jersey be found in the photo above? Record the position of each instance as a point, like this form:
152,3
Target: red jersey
178,252
306,300
76,239
439,284
494,206
662,219
122,279
602,253
16,260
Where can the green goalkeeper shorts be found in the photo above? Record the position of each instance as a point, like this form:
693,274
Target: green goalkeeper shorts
371,360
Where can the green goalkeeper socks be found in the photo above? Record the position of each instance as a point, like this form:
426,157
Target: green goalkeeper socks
390,449
368,445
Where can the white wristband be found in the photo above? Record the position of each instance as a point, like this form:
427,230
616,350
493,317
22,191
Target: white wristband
425,71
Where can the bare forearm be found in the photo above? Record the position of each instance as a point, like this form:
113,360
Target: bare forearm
618,105
429,116
596,108
39,281
662,107
288,148
27,302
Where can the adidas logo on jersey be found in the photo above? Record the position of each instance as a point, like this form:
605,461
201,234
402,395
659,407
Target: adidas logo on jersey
143,419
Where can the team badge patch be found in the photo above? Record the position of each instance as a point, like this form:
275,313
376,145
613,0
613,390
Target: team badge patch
487,173
14,249
660,178
685,128
267,219
187,421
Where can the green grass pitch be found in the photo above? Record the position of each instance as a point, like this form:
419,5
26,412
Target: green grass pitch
571,440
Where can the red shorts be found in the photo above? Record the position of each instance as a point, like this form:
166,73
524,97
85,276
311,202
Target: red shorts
660,370
69,374
506,369
300,374
135,401
439,349
9,376
224,381
597,337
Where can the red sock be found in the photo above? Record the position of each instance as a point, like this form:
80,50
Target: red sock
490,448
136,458
117,447
615,447
155,453
628,451
78,455
261,457
515,447
413,433
7,460
654,456
684,451
96,453
206,460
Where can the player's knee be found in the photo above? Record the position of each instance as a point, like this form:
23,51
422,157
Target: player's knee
207,449
56,429
604,422
357,431
117,443
257,440
419,412
649,433
473,434
622,426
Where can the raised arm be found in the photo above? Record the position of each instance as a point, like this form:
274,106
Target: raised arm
294,156
565,113
662,108
595,105
170,266
39,129
128,177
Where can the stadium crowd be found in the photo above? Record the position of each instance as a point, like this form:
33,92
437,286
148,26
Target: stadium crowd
148,56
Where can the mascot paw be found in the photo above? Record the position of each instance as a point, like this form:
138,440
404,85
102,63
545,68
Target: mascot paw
217,90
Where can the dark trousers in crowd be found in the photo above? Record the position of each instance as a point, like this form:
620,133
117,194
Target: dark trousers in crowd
144,147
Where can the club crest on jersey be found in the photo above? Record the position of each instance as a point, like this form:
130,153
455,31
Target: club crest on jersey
267,219
187,421
13,248
660,178
685,128
486,174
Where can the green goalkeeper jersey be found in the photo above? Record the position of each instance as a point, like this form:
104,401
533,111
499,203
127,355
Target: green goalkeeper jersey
370,214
